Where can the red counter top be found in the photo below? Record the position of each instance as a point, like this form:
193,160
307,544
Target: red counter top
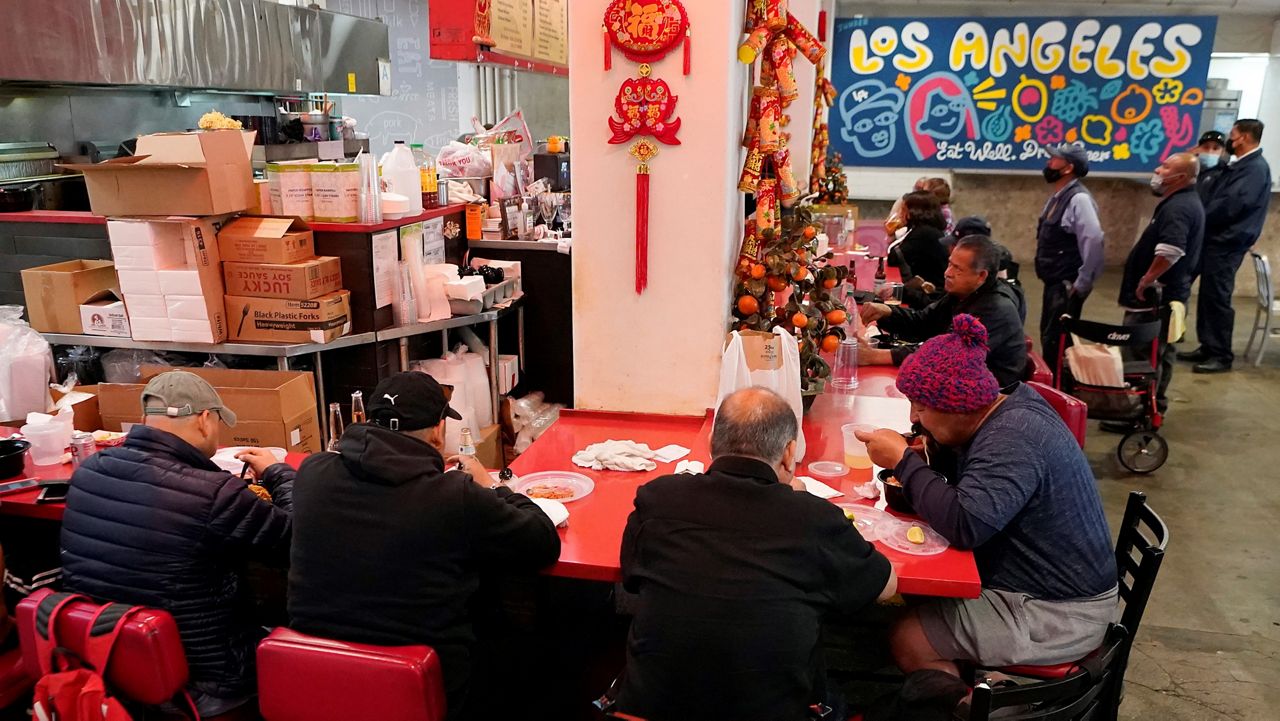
74,217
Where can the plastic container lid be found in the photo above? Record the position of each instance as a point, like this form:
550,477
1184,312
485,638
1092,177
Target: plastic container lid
828,469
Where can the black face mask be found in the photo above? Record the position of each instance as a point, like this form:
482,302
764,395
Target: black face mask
1052,175
1231,147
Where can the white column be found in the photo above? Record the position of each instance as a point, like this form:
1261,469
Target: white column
658,352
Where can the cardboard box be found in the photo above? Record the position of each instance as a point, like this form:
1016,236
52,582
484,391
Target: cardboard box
55,292
84,411
489,446
290,321
296,281
266,240
273,408
508,373
195,173
104,314
289,187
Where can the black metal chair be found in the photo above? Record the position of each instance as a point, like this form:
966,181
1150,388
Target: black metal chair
1083,694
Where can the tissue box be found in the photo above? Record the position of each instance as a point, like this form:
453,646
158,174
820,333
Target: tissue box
140,282
105,315
186,307
146,306
179,282
151,329
295,281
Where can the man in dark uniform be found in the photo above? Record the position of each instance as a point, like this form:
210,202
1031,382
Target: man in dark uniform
1164,256
1069,242
1210,152
1234,215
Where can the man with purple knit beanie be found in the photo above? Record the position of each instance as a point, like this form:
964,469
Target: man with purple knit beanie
1022,497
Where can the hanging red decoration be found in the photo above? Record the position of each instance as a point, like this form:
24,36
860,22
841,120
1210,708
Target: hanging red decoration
644,106
642,150
645,31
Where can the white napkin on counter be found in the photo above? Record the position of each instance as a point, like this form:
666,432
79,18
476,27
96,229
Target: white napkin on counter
818,488
670,454
555,510
616,456
690,468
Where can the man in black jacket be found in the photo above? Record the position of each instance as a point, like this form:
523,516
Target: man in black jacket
972,287
155,523
390,537
1233,217
735,571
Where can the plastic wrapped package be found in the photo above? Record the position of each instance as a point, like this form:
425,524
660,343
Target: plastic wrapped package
82,362
530,417
28,368
124,365
460,160
477,373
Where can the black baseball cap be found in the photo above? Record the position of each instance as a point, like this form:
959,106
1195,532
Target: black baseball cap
410,401
1074,154
1212,136
972,225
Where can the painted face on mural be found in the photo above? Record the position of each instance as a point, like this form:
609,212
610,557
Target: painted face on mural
944,115
870,112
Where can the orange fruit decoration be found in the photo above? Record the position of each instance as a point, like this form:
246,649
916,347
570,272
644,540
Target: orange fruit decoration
777,283
809,232
829,283
748,305
801,273
836,317
757,271
831,343
800,320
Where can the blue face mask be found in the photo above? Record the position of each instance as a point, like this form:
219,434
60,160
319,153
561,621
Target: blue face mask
1209,160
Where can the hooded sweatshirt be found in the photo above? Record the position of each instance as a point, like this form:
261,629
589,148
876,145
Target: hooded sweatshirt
387,546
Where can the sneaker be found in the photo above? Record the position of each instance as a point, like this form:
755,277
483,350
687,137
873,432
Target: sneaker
1194,356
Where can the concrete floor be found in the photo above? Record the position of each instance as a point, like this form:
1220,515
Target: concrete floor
1209,645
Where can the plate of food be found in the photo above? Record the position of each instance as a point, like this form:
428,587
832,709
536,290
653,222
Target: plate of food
563,486
225,458
912,537
865,518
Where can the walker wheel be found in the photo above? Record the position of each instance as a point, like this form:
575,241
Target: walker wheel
1142,451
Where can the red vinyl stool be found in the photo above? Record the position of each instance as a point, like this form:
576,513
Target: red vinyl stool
15,682
305,678
1072,410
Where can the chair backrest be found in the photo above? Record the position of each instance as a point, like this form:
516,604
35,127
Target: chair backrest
305,678
1038,369
1071,410
1266,293
147,664
1139,553
1082,694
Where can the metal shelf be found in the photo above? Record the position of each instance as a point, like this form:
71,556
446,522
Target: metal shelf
435,326
273,350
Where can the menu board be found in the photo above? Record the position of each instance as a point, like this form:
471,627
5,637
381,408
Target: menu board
551,31
511,25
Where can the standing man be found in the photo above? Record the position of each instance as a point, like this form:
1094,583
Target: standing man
1068,243
1165,255
1210,151
1233,217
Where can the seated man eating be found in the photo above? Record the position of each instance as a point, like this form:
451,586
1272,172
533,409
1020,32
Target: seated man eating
1023,499
972,288
735,571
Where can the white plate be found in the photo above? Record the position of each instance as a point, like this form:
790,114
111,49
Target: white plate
576,484
225,458
866,519
894,535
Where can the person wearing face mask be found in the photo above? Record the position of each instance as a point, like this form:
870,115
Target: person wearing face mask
155,523
1211,152
1164,257
1069,242
1233,216
734,572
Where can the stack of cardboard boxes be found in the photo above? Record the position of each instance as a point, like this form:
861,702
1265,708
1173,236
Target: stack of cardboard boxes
277,289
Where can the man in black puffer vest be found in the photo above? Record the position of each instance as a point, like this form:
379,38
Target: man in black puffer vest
155,523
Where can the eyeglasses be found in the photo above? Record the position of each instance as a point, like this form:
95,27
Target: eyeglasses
448,391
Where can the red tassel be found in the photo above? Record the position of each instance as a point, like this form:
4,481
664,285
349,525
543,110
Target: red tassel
688,60
608,51
642,230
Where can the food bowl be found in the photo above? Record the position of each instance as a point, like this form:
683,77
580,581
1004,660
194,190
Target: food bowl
13,457
894,494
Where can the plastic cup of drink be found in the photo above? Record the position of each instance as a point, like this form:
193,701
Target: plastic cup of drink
855,451
48,442
895,294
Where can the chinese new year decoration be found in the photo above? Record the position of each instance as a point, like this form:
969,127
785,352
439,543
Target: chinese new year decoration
824,95
483,22
644,32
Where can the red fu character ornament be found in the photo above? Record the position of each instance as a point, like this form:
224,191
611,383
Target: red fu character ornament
645,30
644,106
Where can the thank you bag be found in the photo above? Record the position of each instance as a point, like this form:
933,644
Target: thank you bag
772,360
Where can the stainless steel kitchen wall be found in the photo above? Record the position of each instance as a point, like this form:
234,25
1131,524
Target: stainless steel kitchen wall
245,45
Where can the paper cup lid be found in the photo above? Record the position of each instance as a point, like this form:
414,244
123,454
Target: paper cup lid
828,469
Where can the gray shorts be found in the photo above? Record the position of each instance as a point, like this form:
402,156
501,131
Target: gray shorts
1003,628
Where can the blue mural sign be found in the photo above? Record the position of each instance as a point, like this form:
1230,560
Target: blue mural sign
991,93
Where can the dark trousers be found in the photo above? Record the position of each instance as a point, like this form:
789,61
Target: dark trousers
1167,354
1058,301
1215,318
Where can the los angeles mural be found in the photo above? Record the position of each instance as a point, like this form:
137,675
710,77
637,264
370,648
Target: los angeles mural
991,93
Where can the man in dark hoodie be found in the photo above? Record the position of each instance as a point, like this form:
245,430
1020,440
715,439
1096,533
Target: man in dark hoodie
389,537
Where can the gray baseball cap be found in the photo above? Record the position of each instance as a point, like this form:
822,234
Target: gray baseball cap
1074,154
178,393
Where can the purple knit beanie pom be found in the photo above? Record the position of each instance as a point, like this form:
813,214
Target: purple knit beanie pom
949,372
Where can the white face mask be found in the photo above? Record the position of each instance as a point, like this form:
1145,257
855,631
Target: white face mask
1157,184
1209,160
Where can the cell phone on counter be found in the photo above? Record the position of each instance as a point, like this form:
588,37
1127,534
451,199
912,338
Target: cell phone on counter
53,493
19,485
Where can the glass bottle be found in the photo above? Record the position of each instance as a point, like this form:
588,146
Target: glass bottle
357,407
880,278
335,427
844,375
468,446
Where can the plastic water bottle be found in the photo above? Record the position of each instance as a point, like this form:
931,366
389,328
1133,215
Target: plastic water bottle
403,177
844,375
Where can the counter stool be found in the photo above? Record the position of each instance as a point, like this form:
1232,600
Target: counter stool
305,678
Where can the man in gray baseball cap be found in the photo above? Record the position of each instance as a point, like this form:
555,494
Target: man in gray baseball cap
1069,242
156,523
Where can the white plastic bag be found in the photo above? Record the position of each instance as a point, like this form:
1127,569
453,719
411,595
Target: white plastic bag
756,358
460,160
27,368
